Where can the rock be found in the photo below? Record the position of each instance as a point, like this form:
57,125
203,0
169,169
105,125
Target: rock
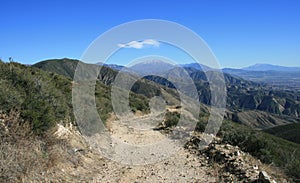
78,150
233,161
264,177
255,167
237,153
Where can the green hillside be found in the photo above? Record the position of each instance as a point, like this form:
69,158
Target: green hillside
42,98
64,66
289,132
67,67
45,98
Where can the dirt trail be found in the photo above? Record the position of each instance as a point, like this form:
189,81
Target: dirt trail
132,151
177,166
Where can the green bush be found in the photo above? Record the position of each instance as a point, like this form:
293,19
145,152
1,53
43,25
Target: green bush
138,102
39,113
171,119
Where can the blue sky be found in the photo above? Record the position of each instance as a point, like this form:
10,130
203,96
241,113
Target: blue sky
240,32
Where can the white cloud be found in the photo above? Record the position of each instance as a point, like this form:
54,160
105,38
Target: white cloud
140,44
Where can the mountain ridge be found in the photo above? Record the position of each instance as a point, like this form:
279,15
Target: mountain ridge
242,94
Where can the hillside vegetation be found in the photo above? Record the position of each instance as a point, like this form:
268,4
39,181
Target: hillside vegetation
42,98
289,132
45,99
268,148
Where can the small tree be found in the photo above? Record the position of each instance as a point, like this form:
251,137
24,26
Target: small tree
10,59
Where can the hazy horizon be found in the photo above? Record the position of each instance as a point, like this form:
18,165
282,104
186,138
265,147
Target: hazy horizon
125,65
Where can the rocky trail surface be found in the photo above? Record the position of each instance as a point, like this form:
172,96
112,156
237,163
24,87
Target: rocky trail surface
142,154
165,166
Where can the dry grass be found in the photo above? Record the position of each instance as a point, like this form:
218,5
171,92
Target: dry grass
25,157
21,153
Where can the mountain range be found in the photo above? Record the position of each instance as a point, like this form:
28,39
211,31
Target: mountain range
248,102
282,77
270,67
274,75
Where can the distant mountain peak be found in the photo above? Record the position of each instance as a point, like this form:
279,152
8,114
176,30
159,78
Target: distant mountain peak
155,61
151,66
270,67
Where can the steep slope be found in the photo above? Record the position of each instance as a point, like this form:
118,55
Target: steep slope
261,120
267,148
